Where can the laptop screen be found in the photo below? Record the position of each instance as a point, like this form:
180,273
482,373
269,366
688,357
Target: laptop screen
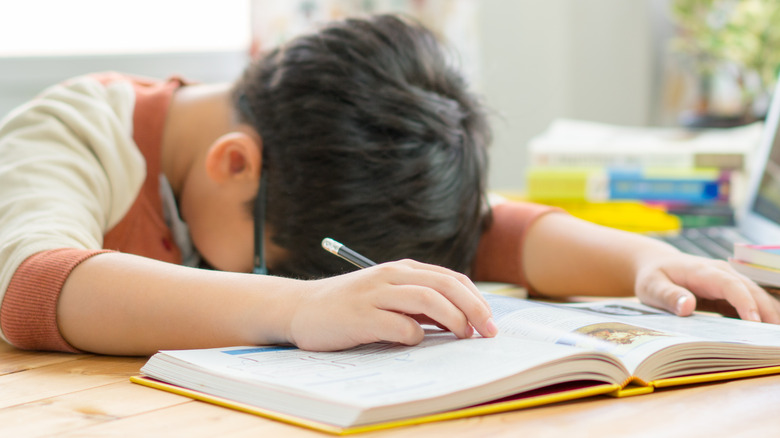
767,201
760,221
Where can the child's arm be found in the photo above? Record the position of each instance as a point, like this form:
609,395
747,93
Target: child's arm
563,255
122,304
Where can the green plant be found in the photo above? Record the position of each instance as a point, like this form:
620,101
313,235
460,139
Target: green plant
743,34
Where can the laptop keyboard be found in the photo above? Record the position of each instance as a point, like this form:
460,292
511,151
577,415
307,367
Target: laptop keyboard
712,242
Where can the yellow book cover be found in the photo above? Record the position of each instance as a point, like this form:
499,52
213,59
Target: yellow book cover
545,353
632,216
545,396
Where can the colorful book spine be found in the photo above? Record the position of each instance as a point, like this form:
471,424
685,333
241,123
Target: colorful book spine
762,255
762,275
760,263
700,186
699,215
695,185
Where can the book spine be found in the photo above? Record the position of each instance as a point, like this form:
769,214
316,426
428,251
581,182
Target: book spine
696,215
691,187
696,186
766,256
567,184
760,274
595,158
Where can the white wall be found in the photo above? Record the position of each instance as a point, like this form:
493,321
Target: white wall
540,60
204,40
21,78
595,60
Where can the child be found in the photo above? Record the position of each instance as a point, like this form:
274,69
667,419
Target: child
117,192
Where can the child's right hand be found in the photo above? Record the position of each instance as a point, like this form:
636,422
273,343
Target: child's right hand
387,302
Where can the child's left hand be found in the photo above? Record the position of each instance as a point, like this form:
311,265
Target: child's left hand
680,283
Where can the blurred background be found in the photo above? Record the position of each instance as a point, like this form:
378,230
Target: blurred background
637,63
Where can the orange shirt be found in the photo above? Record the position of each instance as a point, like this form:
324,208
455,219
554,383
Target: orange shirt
28,312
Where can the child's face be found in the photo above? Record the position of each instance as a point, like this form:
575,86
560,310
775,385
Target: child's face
221,226
225,239
224,236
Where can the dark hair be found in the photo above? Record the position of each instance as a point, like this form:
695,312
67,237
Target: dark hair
369,137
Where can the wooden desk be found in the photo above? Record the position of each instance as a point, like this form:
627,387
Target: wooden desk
64,395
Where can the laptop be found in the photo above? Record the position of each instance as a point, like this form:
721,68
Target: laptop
758,220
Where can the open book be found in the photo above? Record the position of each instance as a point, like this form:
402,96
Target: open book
544,353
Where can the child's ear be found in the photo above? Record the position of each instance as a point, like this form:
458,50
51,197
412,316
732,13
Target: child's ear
234,156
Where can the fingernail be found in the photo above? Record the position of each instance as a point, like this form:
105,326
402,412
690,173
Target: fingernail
469,331
680,303
491,327
754,316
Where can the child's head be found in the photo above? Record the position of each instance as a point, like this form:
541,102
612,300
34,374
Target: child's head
369,137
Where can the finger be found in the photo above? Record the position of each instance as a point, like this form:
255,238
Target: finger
732,295
463,279
476,311
730,286
424,319
768,306
716,280
421,300
394,327
659,291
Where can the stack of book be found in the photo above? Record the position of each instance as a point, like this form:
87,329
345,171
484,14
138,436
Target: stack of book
688,174
761,263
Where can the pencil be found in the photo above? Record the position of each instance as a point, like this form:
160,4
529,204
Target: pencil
347,254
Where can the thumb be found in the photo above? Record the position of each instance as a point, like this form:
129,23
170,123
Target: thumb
668,296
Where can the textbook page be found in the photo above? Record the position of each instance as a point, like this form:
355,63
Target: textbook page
651,343
378,381
716,328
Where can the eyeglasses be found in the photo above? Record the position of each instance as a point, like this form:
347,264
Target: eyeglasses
259,260
260,267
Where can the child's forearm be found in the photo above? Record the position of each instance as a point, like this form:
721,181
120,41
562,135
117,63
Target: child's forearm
567,256
122,304
563,255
